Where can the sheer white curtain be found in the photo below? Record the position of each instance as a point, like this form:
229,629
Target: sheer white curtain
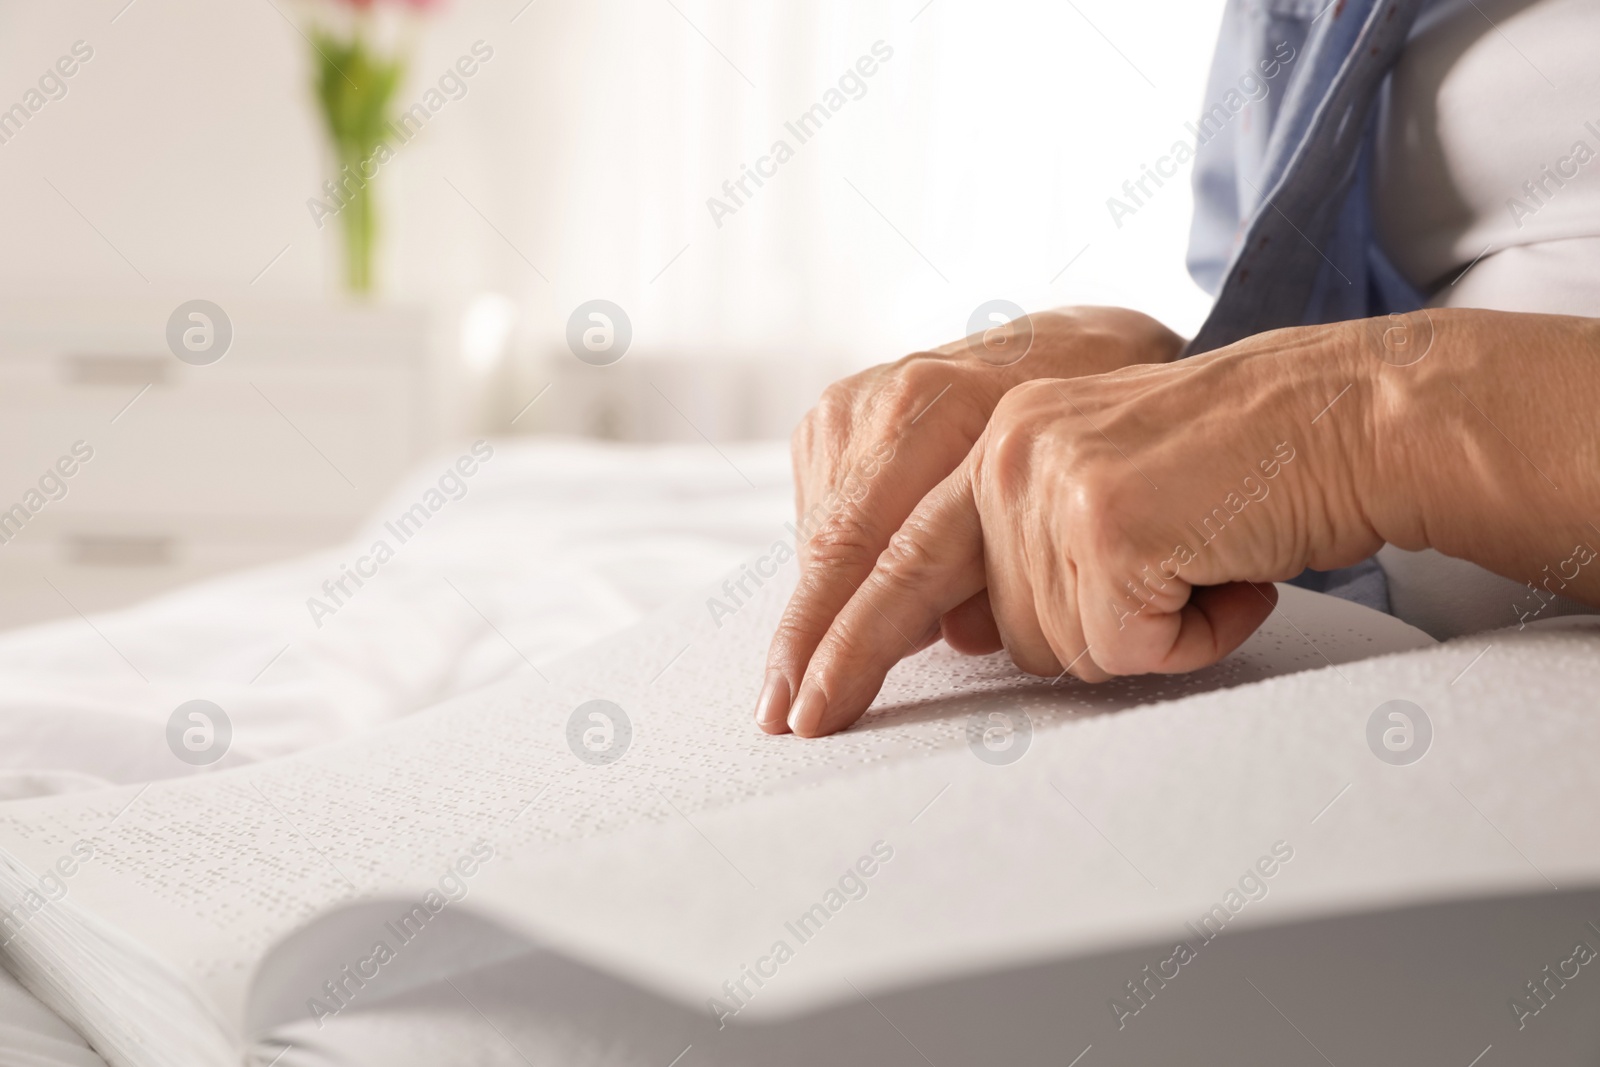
976,164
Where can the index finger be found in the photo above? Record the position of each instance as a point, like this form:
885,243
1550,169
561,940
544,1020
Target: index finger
933,563
837,554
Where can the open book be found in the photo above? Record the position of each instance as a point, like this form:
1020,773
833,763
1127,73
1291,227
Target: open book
1001,867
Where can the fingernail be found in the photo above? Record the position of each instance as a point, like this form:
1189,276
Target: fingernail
805,718
773,702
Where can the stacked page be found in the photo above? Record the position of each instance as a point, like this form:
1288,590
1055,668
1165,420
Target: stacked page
624,813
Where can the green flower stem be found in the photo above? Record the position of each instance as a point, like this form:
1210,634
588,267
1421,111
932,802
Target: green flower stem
354,88
360,234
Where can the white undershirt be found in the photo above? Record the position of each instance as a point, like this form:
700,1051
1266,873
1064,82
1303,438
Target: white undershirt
1484,198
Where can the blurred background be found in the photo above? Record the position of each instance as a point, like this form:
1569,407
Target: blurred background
538,155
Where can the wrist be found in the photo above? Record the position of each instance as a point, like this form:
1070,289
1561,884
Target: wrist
1473,429
1431,375
1393,355
1307,394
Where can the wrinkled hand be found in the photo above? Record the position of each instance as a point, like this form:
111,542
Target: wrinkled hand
880,441
1125,523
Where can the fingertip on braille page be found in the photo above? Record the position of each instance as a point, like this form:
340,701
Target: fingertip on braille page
810,706
773,703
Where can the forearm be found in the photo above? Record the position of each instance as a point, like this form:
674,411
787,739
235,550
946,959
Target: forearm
1486,448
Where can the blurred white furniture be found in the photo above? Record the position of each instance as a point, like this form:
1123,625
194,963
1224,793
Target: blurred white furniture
280,446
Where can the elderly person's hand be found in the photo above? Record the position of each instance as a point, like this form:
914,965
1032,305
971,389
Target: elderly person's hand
879,441
1130,522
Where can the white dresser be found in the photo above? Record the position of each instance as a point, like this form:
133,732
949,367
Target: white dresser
276,448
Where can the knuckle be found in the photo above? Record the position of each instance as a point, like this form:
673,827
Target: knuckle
838,397
841,402
1028,406
826,582
843,540
1026,399
907,560
1010,439
830,416
802,625
1095,515
1007,459
894,402
1089,492
919,376
910,387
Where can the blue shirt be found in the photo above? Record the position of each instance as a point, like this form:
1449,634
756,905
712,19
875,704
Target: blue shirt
1244,165
1283,232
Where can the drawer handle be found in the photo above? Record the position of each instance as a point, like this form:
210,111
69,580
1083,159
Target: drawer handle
110,369
98,550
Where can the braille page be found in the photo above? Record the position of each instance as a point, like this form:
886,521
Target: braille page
1259,806
205,874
